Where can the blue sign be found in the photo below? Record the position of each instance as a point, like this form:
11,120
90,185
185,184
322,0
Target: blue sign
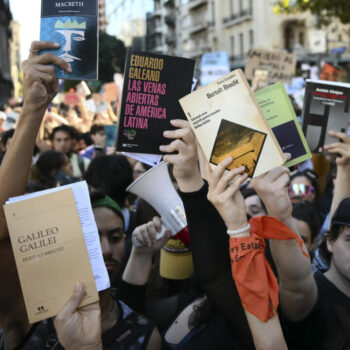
341,49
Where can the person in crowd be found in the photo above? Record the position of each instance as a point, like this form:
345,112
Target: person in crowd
307,223
62,138
98,147
52,169
253,204
112,174
116,317
315,306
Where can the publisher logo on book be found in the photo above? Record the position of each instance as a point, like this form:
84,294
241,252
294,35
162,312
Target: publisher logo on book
130,134
41,310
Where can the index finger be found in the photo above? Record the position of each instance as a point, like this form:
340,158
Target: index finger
336,134
43,45
50,58
180,123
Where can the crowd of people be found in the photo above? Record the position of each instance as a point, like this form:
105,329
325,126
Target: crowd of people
268,259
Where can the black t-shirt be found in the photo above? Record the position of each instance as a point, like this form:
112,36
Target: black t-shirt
327,324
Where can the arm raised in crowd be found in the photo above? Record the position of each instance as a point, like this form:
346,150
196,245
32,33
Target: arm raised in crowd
139,265
208,238
40,86
298,291
224,194
342,181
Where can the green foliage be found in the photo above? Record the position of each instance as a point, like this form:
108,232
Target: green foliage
111,57
324,9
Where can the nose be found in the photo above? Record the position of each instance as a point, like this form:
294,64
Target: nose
106,247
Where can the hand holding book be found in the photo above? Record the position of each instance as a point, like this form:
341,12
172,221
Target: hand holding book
186,171
41,84
224,193
79,328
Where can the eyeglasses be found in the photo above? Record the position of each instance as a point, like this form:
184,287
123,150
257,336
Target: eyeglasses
301,190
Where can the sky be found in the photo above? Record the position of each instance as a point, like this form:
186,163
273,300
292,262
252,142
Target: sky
27,13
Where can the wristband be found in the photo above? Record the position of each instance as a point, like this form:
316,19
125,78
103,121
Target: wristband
241,230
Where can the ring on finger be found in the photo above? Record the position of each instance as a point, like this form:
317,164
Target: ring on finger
34,52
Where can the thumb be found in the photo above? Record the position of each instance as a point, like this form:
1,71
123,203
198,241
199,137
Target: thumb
75,300
165,238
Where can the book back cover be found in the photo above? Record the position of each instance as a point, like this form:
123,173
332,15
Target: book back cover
50,252
74,25
153,85
326,107
280,115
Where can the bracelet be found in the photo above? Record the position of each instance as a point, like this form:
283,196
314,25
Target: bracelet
241,230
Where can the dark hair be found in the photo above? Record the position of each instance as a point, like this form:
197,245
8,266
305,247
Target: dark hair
249,192
312,177
96,128
63,128
306,211
48,162
331,235
7,135
111,175
86,137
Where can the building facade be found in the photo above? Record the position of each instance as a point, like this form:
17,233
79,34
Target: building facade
191,28
16,61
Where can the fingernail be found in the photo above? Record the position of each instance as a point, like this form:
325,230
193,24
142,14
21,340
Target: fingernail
172,121
69,68
166,133
162,148
77,287
56,44
229,158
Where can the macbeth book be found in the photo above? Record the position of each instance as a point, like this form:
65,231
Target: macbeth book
326,107
280,115
50,252
153,85
74,25
228,121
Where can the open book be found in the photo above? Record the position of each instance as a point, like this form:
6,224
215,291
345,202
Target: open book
56,244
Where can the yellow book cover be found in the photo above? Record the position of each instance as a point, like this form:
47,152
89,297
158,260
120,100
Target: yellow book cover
50,252
228,121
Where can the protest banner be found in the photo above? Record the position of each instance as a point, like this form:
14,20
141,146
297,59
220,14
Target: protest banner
280,66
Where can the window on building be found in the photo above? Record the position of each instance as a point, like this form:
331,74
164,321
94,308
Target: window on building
240,6
231,6
241,44
251,39
232,45
301,38
213,11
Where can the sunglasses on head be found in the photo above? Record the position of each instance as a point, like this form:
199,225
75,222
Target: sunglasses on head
301,190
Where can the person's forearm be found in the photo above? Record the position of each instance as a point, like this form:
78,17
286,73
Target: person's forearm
342,187
298,291
138,268
15,167
266,335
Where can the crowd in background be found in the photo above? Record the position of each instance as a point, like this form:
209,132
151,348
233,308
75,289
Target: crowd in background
197,305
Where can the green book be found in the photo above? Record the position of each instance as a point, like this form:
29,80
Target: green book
280,115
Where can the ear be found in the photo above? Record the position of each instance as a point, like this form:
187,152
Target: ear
330,245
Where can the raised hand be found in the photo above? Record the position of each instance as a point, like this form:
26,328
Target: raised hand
79,328
224,193
146,236
341,148
40,82
273,191
185,162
